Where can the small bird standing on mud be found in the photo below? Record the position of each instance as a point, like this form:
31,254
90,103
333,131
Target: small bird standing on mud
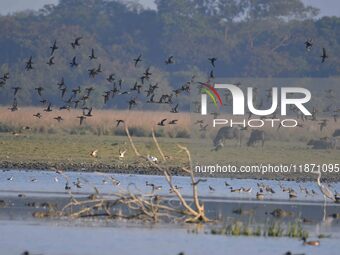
94,153
122,154
152,159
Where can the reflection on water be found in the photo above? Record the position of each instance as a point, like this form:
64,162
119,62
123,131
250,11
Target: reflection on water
61,236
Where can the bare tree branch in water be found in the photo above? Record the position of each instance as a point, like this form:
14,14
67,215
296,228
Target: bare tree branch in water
128,204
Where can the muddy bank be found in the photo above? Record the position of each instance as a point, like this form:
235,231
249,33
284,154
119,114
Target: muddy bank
147,169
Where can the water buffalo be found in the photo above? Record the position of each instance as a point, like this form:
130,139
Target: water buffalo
256,136
320,144
226,133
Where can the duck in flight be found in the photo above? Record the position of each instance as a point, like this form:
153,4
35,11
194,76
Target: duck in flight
59,119
162,122
170,60
174,109
324,55
92,56
173,122
16,89
37,115
132,103
76,42
29,64
119,121
137,60
50,61
49,108
81,119
14,106
89,113
74,62
39,90
54,47
309,44
212,61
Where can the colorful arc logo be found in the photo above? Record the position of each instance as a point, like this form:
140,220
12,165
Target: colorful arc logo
213,94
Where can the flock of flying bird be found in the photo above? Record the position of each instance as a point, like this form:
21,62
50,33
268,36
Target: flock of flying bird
118,88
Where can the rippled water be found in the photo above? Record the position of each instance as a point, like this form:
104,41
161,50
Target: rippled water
19,231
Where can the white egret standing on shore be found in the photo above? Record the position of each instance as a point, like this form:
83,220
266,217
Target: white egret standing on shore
327,193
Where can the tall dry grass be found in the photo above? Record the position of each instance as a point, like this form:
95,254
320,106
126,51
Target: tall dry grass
101,119
104,122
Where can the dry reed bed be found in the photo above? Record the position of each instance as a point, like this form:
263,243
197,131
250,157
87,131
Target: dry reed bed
146,120
105,119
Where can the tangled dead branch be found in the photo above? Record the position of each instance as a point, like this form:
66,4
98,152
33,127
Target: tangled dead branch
128,204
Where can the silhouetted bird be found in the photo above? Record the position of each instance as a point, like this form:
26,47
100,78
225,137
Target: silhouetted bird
61,83
324,55
5,77
37,115
89,113
99,68
76,42
59,118
50,61
74,62
170,60
309,44
89,90
16,89
173,122
211,74
49,108
162,122
92,72
92,56
111,78
212,189
29,64
39,89
106,96
147,72
212,61
132,103
137,60
81,119
118,122
14,106
44,101
63,91
54,47
174,109
151,99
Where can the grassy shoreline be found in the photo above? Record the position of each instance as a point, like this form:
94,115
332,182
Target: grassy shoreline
72,153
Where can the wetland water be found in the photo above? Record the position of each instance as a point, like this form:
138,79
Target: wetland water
20,231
